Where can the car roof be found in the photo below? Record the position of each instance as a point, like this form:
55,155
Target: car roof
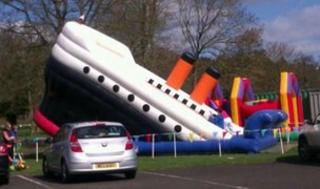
91,123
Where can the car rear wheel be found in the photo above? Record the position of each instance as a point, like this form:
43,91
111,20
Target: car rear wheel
45,168
130,174
5,179
304,150
65,175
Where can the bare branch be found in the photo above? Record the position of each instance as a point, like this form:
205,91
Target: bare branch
211,24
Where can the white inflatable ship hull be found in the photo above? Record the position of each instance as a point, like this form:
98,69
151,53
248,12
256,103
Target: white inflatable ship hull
92,61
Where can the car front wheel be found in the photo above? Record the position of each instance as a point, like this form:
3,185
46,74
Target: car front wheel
5,179
65,175
130,174
304,150
45,168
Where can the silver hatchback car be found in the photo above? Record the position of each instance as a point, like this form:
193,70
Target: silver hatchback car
91,147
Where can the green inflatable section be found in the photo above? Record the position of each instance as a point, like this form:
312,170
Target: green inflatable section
292,136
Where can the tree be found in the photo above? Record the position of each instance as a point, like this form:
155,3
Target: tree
208,26
249,42
136,23
212,24
279,50
307,71
20,75
39,22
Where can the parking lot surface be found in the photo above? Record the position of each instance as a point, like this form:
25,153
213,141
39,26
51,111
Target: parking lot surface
276,175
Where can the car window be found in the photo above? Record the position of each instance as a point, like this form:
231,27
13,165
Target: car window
100,131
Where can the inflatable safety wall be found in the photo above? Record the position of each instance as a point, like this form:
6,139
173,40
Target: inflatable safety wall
243,103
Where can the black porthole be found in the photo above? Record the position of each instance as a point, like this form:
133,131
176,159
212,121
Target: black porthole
167,91
193,106
162,118
159,86
150,81
201,112
184,101
131,97
115,88
176,96
101,79
177,128
146,107
86,70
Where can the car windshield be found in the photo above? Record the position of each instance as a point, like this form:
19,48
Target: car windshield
100,131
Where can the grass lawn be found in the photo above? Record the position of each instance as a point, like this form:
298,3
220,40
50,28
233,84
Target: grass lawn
189,161
33,168
185,161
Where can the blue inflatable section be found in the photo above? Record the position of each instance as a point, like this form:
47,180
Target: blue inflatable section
262,122
235,144
258,136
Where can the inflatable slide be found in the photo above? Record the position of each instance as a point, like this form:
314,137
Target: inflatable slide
90,76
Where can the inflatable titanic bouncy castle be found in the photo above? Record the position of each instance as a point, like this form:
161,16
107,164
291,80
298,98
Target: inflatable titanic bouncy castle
90,76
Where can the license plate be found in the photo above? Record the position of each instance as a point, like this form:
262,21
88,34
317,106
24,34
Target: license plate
105,165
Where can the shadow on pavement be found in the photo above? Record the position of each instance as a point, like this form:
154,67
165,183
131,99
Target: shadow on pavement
294,159
84,178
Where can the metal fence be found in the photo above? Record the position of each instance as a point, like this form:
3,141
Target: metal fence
314,100
310,100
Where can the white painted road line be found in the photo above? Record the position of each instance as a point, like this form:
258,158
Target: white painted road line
194,180
34,182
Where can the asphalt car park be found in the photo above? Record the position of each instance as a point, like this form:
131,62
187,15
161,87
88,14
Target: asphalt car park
286,173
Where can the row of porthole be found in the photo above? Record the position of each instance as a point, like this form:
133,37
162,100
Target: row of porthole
130,98
176,96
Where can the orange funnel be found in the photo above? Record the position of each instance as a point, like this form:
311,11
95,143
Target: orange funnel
205,85
181,71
